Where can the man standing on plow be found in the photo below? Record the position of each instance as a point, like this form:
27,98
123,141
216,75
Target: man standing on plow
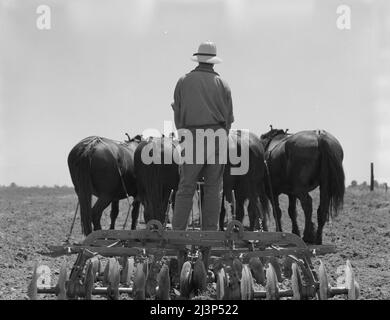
203,113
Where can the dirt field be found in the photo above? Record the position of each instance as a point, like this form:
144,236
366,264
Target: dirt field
32,218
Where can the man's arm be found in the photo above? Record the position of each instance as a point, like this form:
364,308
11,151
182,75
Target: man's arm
176,104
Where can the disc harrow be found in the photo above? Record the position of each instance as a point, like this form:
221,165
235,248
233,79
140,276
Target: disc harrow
143,264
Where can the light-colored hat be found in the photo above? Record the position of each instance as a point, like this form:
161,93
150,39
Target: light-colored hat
207,53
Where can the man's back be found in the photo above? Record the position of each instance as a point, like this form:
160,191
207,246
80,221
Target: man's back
203,99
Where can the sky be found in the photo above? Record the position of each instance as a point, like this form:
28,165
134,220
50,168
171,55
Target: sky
107,67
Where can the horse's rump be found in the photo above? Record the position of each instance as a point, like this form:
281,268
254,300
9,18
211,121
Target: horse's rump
155,180
101,167
79,163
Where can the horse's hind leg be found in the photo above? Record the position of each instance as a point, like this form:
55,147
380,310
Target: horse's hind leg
309,234
322,213
97,211
222,214
114,213
277,214
255,215
263,204
135,214
292,212
240,207
173,201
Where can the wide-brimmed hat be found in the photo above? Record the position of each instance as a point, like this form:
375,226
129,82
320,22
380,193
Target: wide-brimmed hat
207,53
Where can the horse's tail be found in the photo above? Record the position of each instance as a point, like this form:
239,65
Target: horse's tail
261,175
149,185
264,201
153,185
80,169
332,176
257,189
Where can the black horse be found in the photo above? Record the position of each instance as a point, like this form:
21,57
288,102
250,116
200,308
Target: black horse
298,163
156,180
104,168
250,185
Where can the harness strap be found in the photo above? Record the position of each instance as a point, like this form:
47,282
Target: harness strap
276,145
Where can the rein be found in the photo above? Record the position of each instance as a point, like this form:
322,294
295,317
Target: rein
72,225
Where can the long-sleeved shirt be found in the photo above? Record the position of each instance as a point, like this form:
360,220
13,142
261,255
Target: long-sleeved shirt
201,99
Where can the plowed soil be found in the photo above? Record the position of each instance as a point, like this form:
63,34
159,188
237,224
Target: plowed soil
31,219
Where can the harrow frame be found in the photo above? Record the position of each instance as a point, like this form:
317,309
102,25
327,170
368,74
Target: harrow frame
231,247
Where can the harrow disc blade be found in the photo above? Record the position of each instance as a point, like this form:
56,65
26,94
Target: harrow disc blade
296,282
96,265
186,280
151,279
164,284
237,267
100,269
32,290
174,272
89,280
287,267
221,284
276,267
210,276
199,276
233,290
324,284
351,283
257,269
122,261
113,279
246,284
139,282
357,290
107,271
60,287
128,271
272,290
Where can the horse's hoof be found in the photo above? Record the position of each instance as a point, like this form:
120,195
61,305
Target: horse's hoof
296,232
310,239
